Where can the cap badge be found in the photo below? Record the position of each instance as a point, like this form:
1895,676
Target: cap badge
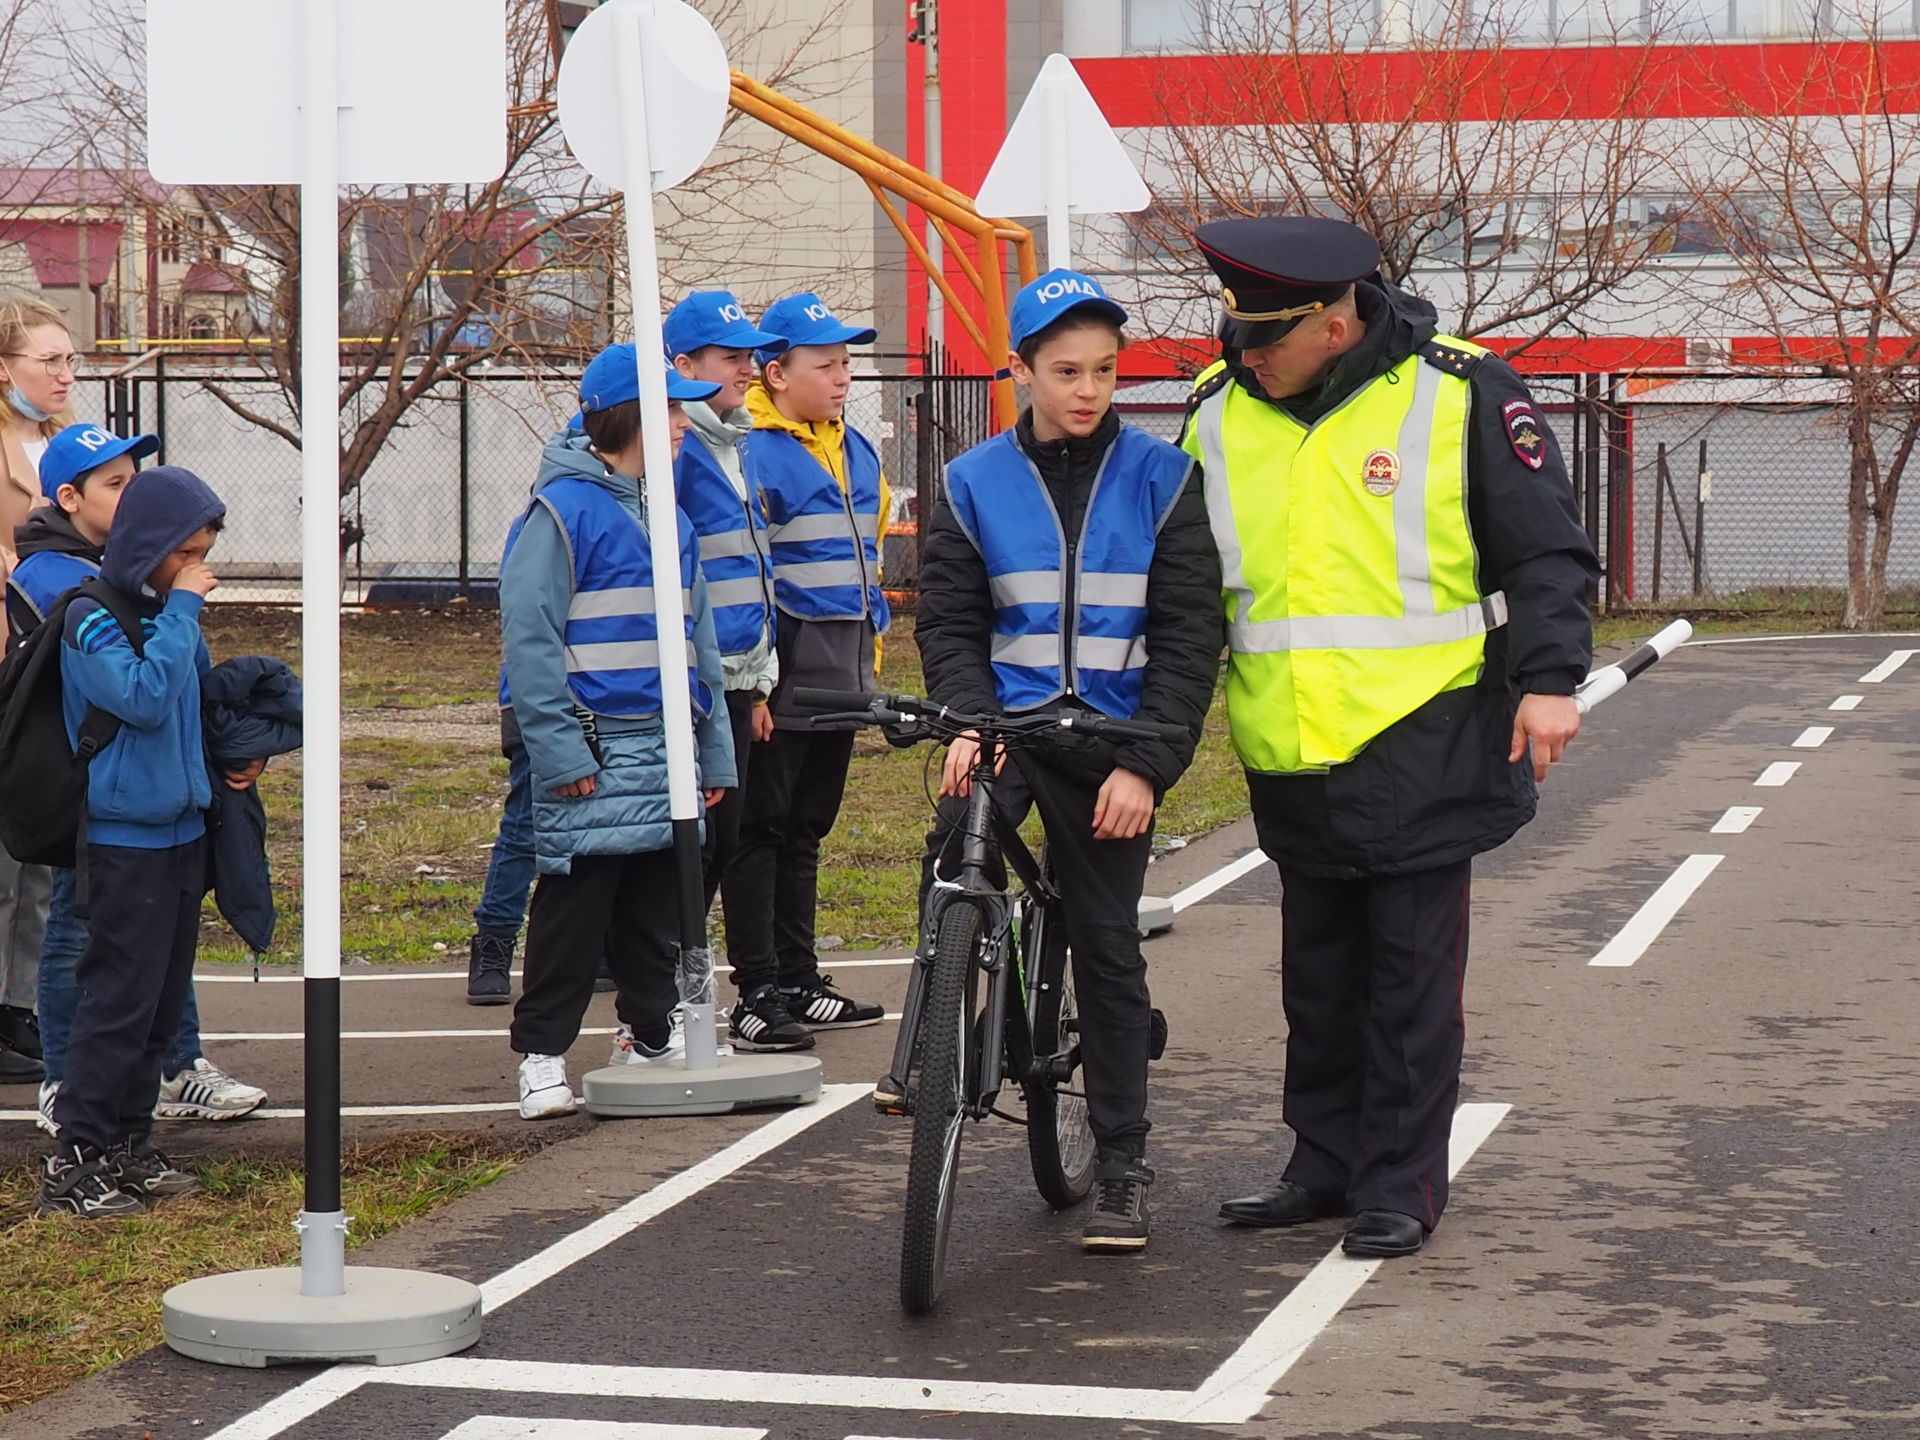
1380,472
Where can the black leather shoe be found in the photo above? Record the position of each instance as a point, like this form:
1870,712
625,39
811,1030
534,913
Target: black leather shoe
1282,1203
1383,1234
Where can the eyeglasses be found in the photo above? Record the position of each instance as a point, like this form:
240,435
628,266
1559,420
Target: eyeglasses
55,364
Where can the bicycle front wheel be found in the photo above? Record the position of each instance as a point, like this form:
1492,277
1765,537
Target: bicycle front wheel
1060,1142
940,1064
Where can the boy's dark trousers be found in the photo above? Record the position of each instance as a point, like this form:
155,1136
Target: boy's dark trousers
772,888
1099,883
618,905
133,979
723,820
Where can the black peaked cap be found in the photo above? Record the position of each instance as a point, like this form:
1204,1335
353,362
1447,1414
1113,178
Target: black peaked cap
1276,270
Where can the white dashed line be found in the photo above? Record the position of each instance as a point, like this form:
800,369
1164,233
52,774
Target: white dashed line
1219,880
1847,702
1778,773
1813,737
1887,666
1736,820
1653,917
518,1427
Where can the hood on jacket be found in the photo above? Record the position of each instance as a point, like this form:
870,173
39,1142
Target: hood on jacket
159,510
50,528
825,440
715,428
1397,324
569,456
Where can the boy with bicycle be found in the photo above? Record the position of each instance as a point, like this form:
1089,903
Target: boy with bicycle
1069,565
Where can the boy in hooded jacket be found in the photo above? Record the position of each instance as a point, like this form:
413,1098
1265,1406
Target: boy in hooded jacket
145,859
583,657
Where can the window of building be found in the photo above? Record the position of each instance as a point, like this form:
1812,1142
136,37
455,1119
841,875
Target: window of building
206,238
170,241
203,327
1235,25
169,322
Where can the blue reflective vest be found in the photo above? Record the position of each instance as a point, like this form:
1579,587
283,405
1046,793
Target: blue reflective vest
612,635
733,548
1068,619
824,541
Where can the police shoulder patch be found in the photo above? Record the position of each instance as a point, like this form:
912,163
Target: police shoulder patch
1525,432
1207,387
1451,358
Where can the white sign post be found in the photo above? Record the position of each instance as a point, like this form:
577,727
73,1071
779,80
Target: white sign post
644,89
1061,158
330,95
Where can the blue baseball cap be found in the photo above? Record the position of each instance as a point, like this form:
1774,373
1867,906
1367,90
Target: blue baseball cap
715,317
80,448
1044,301
805,319
613,377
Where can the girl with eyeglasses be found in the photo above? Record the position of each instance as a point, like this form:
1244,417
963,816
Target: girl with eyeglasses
36,377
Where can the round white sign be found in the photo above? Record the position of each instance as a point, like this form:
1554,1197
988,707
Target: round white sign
686,81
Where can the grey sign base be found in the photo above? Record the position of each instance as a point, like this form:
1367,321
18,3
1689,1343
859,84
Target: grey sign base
738,1082
259,1317
1156,915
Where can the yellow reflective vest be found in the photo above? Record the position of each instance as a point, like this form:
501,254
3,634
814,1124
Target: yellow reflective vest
1347,561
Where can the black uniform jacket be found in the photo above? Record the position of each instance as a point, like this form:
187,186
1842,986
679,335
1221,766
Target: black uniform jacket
1437,788
1186,627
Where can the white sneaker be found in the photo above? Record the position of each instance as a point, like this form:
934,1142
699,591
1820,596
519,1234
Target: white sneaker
544,1091
203,1091
629,1051
48,1089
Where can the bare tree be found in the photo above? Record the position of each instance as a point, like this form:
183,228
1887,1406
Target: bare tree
1820,215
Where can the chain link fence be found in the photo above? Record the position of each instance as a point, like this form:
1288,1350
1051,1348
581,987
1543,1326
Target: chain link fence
1701,485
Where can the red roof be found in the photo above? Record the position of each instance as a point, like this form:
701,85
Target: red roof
54,248
205,279
47,185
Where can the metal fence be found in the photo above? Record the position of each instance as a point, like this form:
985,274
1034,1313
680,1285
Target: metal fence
1753,474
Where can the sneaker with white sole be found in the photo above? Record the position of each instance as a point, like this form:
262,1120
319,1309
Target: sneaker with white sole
761,1022
75,1181
144,1172
544,1092
44,1119
629,1051
203,1091
821,1007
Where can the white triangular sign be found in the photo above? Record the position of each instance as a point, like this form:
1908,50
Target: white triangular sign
1100,175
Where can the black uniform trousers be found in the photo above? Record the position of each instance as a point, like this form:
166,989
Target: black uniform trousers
723,820
1372,976
772,887
619,906
1100,883
133,979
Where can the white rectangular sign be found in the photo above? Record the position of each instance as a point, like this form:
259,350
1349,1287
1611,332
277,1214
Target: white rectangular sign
423,91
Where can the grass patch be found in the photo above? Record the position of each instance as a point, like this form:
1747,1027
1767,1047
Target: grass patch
83,1295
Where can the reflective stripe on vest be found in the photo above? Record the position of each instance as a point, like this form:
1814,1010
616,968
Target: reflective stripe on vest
1006,509
732,549
824,542
1349,569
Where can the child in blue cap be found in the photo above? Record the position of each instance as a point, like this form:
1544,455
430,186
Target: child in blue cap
583,653
1112,524
826,506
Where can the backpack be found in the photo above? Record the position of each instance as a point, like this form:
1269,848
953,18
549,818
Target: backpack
43,778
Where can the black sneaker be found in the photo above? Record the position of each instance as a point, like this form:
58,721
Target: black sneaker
142,1171
1120,1218
73,1182
20,1030
760,1021
489,966
890,1097
820,1007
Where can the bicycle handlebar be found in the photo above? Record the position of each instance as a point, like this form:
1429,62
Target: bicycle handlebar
857,707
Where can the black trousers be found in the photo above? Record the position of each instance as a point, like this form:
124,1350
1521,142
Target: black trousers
772,888
133,980
621,906
1372,976
1100,883
723,820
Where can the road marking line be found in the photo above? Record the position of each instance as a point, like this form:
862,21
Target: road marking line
1645,927
1847,702
202,978
1219,880
1887,666
356,1111
1778,773
290,1407
1736,820
1238,1389
519,1427
1834,635
238,1035
1813,737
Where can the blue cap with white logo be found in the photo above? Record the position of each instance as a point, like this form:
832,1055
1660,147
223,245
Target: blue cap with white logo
612,378
805,319
79,448
715,317
1044,301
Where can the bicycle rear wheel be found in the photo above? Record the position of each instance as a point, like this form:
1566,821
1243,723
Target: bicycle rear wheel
940,1065
1060,1142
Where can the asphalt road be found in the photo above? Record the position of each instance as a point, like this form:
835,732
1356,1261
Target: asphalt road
1693,1220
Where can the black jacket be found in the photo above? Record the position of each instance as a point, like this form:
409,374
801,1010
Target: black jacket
1437,787
251,711
1186,626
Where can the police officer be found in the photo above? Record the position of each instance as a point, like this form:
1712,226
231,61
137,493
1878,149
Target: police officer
1406,583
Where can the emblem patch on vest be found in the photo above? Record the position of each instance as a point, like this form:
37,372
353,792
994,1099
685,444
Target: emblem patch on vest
1380,472
1524,433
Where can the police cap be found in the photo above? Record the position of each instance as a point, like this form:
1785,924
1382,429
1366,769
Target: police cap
1277,270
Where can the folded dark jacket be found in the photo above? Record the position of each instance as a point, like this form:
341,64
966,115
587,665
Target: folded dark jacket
251,710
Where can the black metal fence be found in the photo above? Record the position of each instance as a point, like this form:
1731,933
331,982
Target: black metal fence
1705,484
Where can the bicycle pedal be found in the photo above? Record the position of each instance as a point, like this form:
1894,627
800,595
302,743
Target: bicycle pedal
886,1102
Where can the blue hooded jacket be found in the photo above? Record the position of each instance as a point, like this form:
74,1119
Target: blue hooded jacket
148,788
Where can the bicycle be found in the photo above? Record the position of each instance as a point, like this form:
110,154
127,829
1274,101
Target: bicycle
1014,938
